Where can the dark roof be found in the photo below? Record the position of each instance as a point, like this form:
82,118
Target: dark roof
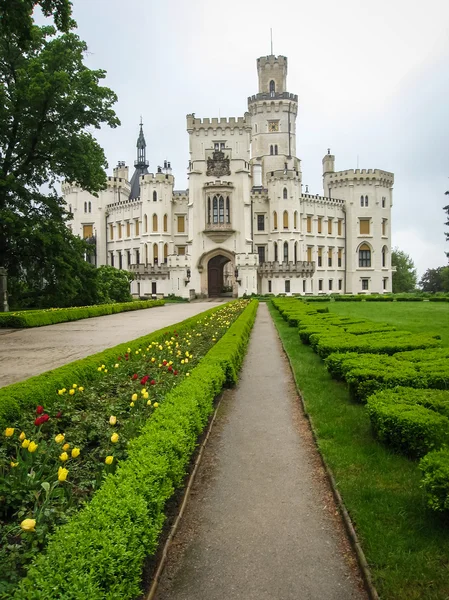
135,181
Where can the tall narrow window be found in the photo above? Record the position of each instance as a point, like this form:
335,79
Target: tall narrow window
221,216
275,148
260,223
362,201
320,224
285,219
295,220
111,232
155,254
329,226
209,211
271,149
339,226
384,201
384,256
119,231
366,200
309,254
329,257
165,253
339,259
285,194
215,209
165,223
128,229
137,228
146,254
155,196
384,226
228,210
85,207
287,286
275,252
155,225
320,257
286,252
181,224
145,223
309,224
295,253
90,207
87,231
364,256
137,257
272,87
364,226
275,220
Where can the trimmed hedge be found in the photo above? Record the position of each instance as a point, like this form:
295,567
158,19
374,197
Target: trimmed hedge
435,471
411,421
100,552
348,298
38,318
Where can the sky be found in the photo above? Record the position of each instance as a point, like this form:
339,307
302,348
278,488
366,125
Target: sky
372,80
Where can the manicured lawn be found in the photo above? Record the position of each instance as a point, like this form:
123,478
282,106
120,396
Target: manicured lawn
418,317
407,546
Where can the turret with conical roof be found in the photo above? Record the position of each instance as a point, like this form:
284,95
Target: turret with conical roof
141,164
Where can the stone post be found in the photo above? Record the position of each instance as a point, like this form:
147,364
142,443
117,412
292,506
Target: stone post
3,290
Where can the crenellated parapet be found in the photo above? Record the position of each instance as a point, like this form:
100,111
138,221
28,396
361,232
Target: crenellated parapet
300,268
161,178
115,207
361,176
196,124
283,175
317,199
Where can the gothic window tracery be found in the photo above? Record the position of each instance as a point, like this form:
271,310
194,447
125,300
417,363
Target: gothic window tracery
285,194
364,256
286,252
228,210
272,88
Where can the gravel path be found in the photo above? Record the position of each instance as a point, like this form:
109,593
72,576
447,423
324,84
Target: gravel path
28,352
261,523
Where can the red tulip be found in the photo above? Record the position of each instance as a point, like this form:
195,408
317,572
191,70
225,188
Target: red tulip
59,414
39,410
175,372
44,418
152,382
38,421
144,380
170,368
135,376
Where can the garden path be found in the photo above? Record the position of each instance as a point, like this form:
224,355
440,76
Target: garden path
261,522
28,352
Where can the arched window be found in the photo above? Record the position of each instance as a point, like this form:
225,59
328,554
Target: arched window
362,201
165,253
165,223
154,196
296,253
155,254
366,200
145,223
275,220
272,87
285,219
295,220
271,149
209,214
285,194
90,207
154,222
146,254
255,127
221,218
276,149
286,252
215,209
275,252
85,207
364,256
228,210
384,256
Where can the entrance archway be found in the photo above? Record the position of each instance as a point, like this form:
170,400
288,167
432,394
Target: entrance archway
215,279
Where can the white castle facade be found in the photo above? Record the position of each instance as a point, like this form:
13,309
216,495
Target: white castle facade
244,225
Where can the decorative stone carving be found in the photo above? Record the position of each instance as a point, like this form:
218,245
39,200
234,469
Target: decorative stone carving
218,165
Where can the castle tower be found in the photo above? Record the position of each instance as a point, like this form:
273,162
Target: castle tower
140,165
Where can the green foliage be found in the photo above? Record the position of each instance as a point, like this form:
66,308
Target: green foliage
348,298
112,285
435,280
33,318
100,552
404,279
435,469
411,421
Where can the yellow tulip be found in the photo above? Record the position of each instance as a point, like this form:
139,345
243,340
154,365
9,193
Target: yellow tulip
25,443
116,366
62,474
114,438
112,420
186,360
182,361
22,436
156,404
66,446
149,402
32,447
28,524
81,389
64,390
9,431
143,391
75,452
131,404
105,370
187,374
145,396
59,438
71,392
153,360
14,464
129,350
60,392
99,369
64,456
134,397
103,366
108,460
74,385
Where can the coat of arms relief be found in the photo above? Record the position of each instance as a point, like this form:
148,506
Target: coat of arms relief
218,165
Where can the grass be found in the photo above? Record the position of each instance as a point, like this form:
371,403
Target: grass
417,317
407,546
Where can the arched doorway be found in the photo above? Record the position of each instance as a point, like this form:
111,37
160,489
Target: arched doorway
215,280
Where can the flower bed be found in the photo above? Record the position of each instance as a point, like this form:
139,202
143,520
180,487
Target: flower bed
50,316
82,432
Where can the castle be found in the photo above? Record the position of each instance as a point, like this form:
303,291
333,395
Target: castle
245,225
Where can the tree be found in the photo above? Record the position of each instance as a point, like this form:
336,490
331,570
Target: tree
49,101
446,210
435,280
113,285
405,277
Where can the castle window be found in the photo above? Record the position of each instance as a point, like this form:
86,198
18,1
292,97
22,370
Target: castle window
285,194
287,286
260,222
87,231
155,224
276,149
320,257
320,285
340,285
261,253
309,224
320,224
165,253
275,252
181,250
295,253
70,208
275,220
155,254
384,226
383,201
128,229
329,226
137,228
329,257
128,257
85,207
330,285
112,259
228,210
119,231
181,224
339,257
271,149
285,219
269,286
286,252
145,223
362,201
366,200
364,256
90,207
111,233
146,254
221,215
272,88
384,256
137,257
365,284
215,209
309,253
165,223
120,261
385,282
295,220
208,210
339,226
255,127
155,196
364,226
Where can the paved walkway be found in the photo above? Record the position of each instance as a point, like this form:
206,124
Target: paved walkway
28,352
260,523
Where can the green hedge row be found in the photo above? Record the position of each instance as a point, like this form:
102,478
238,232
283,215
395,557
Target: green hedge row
435,470
101,551
50,316
411,421
35,390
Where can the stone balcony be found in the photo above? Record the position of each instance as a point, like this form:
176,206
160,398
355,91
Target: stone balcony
301,268
150,270
218,232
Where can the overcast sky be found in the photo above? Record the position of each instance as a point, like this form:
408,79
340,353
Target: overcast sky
372,79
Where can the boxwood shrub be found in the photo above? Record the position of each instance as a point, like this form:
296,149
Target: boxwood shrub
435,482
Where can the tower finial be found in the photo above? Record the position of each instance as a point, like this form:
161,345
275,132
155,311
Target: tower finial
271,39
141,161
